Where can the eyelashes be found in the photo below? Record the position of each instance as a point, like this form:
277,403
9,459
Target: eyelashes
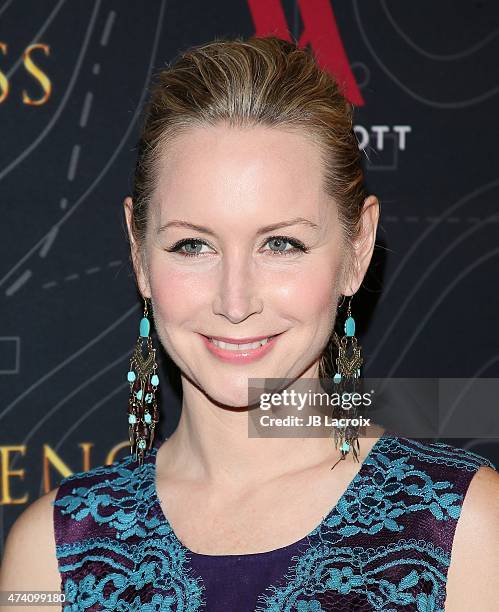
298,246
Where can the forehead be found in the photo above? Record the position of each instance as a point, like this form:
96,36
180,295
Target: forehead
249,171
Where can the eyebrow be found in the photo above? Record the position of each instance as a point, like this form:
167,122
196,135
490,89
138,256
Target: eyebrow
262,230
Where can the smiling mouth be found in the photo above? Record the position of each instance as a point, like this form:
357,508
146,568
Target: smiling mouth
232,346
229,346
238,351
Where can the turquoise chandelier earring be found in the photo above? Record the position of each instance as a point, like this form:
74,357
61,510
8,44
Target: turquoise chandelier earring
143,414
348,364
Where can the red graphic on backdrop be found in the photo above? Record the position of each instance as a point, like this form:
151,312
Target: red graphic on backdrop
320,31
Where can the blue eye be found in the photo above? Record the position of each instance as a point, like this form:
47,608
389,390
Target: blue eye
282,240
189,242
193,243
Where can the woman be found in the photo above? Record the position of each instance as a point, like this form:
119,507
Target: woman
249,220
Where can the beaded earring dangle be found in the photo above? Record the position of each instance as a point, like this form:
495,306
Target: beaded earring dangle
348,365
143,414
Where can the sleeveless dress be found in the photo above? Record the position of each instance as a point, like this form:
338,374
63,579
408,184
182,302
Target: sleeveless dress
385,545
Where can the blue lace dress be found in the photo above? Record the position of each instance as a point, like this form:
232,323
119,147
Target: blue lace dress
385,545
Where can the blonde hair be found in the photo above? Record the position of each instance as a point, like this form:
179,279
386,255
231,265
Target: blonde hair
261,81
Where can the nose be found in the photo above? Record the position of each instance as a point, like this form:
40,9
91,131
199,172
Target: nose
238,294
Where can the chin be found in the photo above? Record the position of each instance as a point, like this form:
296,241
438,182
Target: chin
231,392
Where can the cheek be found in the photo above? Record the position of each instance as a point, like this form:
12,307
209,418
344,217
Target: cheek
177,294
308,295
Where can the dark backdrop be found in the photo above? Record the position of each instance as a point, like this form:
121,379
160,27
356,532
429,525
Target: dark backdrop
73,79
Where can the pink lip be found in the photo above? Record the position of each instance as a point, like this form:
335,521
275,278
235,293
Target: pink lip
242,356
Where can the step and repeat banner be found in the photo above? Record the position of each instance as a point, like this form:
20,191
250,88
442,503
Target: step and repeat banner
73,80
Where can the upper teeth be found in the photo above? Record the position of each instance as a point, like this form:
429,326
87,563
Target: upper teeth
238,347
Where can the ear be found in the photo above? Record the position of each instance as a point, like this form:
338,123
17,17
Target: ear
137,256
363,245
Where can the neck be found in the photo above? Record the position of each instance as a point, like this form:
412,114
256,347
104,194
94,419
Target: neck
211,444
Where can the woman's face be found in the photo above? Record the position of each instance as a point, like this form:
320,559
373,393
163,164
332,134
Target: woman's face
234,279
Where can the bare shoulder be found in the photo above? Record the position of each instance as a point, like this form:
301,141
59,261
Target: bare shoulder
473,576
29,560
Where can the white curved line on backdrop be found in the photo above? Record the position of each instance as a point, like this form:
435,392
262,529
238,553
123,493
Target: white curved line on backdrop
437,302
483,368
430,229
432,103
41,31
54,409
105,169
58,367
434,263
85,415
5,7
64,100
435,56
